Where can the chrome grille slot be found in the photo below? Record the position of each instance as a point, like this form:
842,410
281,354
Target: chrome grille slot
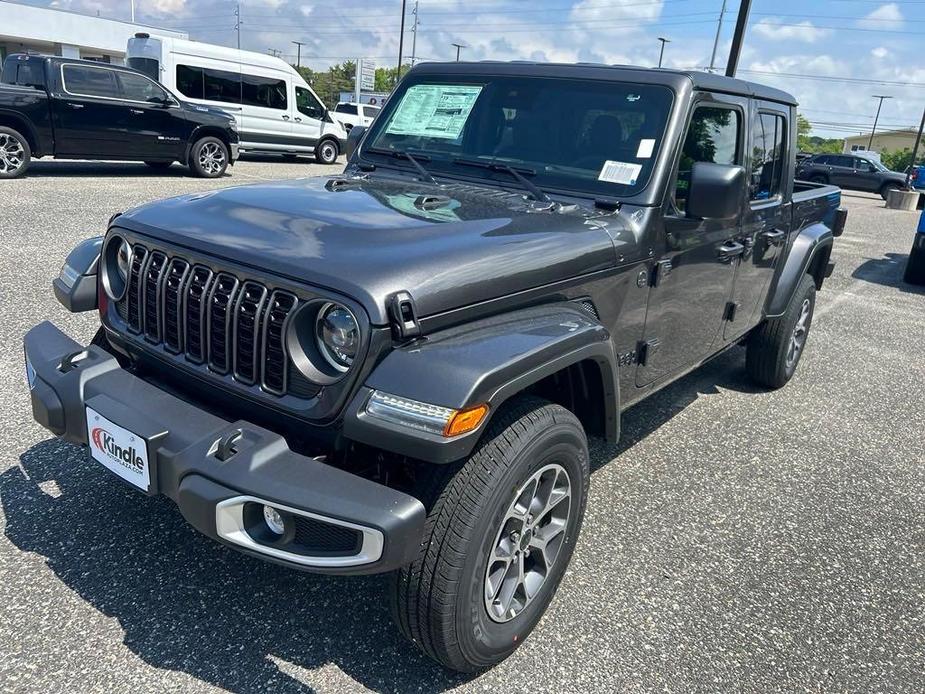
221,300
194,311
154,273
173,289
279,309
133,293
248,313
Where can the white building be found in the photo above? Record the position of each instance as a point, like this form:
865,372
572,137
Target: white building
24,28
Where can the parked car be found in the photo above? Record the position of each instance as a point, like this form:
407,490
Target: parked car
81,109
348,114
275,108
396,369
852,172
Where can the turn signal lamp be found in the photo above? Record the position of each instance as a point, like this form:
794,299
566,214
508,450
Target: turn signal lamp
465,421
434,419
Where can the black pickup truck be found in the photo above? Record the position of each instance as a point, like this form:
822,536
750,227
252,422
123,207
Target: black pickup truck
396,369
82,109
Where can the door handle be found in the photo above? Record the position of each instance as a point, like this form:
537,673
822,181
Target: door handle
137,112
298,120
774,238
70,105
285,117
730,250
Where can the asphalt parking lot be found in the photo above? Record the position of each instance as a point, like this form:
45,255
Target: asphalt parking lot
735,539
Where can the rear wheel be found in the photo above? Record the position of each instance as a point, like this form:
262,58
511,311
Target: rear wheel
500,532
15,153
209,157
775,347
326,152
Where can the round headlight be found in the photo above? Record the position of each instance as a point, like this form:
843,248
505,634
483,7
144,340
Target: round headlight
115,260
338,335
122,259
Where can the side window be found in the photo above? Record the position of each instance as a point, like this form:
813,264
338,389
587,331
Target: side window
844,162
349,109
266,92
824,161
90,81
189,81
137,88
221,85
863,165
712,136
767,156
308,104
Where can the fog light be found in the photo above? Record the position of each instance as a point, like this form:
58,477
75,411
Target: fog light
274,520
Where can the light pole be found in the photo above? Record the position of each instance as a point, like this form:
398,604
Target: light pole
661,53
735,51
915,152
870,142
401,41
458,47
298,53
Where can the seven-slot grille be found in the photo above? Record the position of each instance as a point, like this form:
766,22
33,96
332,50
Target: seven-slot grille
235,326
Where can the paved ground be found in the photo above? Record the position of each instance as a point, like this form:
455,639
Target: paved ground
736,540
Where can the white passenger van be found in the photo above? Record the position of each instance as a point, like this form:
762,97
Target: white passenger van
275,109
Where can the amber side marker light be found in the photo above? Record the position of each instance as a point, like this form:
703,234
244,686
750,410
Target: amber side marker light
464,421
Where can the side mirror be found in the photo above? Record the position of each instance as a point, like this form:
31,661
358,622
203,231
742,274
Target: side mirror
716,191
353,139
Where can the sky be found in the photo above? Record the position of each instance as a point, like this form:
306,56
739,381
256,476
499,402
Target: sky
833,55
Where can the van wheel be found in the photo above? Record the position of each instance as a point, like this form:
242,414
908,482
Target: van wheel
209,158
15,153
159,165
326,152
500,532
774,348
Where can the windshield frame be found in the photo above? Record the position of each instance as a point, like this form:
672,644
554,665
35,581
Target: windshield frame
367,155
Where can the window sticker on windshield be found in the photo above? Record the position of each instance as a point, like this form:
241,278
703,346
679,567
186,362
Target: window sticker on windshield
434,110
620,172
646,147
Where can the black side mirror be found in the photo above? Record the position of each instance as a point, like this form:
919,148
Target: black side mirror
716,191
353,139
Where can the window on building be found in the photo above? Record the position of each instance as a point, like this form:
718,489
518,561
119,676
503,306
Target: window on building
266,92
712,136
767,156
90,81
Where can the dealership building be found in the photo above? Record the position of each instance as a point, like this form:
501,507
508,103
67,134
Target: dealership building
28,29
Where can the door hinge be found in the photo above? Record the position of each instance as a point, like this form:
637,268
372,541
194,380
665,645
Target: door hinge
661,272
729,313
646,350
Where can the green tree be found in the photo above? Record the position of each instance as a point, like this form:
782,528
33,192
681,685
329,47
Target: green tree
900,159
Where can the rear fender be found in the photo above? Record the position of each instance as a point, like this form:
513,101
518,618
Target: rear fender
809,252
488,361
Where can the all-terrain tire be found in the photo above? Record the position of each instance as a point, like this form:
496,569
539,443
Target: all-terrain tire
774,348
16,155
439,601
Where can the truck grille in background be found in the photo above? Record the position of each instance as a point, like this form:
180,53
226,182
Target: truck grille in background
235,326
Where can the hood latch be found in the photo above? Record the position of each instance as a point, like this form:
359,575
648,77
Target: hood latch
403,316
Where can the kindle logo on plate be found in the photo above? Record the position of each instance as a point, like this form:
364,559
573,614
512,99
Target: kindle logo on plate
105,442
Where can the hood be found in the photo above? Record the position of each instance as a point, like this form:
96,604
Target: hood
213,111
368,239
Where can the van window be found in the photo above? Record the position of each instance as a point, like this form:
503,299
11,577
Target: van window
349,109
308,104
206,83
90,81
266,92
137,88
146,66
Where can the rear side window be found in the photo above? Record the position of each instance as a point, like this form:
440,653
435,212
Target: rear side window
713,136
90,81
266,92
768,143
349,109
138,88
206,83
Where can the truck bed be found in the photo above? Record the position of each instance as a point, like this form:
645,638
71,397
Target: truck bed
814,202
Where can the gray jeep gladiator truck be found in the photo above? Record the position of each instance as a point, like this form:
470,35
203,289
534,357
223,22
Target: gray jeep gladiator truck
396,369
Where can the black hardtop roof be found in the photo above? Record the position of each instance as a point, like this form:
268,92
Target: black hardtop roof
632,73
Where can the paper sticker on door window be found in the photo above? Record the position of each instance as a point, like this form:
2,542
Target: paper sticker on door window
620,172
434,110
646,147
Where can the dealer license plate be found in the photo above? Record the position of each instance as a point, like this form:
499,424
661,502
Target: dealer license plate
118,449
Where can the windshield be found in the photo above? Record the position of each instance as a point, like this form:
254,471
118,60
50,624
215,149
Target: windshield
591,137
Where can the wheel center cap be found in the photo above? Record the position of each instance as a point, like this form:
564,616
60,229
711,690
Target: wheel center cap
525,539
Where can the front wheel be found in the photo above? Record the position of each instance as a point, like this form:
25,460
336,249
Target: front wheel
885,190
15,153
500,532
326,152
209,157
775,347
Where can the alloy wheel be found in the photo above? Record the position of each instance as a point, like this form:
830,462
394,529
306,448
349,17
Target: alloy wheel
798,338
12,154
528,542
212,158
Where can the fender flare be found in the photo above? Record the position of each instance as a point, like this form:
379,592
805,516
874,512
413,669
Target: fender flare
487,361
812,245
75,287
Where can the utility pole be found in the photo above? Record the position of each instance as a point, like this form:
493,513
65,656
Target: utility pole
237,23
401,40
458,47
133,11
358,80
915,151
298,53
738,37
661,53
870,142
414,31
719,29
274,52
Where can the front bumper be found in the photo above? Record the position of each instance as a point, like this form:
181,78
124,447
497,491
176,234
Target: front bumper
193,461
234,152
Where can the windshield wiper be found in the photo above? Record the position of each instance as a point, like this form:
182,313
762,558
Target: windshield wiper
414,160
517,173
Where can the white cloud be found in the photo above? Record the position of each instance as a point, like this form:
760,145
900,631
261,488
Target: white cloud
880,52
886,17
803,31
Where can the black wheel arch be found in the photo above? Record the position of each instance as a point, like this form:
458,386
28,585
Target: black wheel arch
808,254
21,125
206,131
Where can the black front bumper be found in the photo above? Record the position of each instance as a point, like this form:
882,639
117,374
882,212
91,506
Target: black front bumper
190,465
